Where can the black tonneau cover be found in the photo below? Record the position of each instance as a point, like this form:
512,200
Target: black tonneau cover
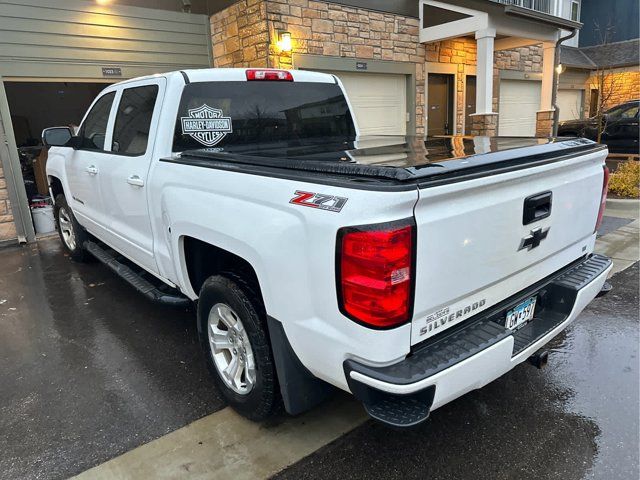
398,159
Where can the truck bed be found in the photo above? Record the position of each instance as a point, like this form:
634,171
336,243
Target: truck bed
392,161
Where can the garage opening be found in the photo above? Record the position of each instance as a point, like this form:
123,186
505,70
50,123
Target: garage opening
379,101
519,102
34,106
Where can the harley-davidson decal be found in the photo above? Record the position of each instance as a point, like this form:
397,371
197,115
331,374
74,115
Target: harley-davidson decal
206,125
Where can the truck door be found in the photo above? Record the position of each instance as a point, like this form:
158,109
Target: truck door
124,182
84,164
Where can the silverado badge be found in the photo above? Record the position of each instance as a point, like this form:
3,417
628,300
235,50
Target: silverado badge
206,125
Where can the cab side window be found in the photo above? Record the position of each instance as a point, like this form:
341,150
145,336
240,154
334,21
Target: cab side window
94,129
133,120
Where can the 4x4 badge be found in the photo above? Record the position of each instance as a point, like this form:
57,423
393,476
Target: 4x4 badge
206,125
534,238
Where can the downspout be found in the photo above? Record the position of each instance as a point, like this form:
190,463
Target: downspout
556,81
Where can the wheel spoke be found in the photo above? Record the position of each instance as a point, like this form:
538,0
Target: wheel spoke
220,340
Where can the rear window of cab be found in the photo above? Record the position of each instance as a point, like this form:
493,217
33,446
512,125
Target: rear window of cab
223,114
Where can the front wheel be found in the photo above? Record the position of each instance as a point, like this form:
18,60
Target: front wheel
71,232
236,343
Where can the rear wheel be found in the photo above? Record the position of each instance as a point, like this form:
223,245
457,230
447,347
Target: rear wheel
236,343
71,232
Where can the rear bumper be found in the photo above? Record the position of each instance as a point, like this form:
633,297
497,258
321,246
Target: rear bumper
477,352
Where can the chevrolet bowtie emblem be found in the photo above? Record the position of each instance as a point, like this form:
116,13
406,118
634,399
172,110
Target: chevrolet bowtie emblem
534,238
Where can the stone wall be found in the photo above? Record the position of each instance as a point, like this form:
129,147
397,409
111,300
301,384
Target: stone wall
619,86
321,28
7,225
240,36
245,35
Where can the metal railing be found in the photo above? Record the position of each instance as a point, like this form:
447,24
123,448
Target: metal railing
543,6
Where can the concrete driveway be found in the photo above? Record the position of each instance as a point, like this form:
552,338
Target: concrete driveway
95,379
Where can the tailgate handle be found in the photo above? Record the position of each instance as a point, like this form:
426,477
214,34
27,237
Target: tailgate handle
536,207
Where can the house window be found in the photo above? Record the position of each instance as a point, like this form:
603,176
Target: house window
575,11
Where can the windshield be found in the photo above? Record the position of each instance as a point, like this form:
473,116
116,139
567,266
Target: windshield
261,114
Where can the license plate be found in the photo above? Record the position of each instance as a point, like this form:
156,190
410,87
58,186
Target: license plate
521,314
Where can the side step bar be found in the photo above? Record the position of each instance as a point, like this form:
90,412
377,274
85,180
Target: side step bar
145,287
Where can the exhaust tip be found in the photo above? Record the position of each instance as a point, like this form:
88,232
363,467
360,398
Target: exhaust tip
539,359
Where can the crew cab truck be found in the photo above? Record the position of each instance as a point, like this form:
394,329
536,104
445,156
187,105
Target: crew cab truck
407,272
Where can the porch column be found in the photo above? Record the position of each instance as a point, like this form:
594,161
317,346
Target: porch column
484,121
544,117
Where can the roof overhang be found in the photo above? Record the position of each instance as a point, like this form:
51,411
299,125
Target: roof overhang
441,20
542,17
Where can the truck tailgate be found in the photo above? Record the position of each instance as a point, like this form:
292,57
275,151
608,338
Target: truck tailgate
474,248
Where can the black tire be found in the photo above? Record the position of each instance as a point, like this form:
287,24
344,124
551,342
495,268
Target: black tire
262,401
74,246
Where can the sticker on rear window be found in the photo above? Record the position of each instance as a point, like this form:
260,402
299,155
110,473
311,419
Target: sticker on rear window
206,125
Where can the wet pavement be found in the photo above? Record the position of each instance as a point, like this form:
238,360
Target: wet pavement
89,369
575,419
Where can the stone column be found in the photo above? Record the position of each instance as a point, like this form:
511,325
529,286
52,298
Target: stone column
7,225
484,124
544,117
484,70
544,123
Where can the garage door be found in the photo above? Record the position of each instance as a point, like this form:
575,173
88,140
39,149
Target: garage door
570,104
519,102
379,101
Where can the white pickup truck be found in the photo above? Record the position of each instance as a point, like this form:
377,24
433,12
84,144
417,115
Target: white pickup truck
407,272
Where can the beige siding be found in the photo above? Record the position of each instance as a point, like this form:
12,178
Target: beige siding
75,38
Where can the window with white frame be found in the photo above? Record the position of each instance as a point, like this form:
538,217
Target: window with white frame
575,11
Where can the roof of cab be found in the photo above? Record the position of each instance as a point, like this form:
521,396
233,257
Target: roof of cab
231,75
239,74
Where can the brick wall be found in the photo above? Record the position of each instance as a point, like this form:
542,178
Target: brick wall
7,226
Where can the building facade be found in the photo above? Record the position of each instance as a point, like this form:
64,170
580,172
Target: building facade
425,67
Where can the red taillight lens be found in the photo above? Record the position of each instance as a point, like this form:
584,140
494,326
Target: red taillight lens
375,279
603,198
270,75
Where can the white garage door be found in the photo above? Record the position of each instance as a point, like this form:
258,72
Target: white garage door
379,101
519,102
570,104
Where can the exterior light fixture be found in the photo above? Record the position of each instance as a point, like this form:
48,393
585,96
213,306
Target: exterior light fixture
284,41
103,2
560,69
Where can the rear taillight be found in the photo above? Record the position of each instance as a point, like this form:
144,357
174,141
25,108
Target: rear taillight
603,198
270,75
376,273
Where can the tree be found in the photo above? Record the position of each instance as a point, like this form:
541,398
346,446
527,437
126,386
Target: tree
604,80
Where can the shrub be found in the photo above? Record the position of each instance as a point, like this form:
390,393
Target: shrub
625,182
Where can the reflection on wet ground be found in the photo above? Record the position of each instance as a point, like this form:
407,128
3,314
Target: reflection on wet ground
88,368
576,419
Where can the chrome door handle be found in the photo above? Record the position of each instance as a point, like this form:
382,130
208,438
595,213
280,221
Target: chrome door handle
91,170
135,180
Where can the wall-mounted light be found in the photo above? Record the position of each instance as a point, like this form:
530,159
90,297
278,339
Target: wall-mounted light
103,2
560,69
284,41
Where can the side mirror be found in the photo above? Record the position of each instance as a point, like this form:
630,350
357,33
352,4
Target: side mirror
57,137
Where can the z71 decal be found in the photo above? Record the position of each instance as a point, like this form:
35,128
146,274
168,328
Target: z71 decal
319,200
